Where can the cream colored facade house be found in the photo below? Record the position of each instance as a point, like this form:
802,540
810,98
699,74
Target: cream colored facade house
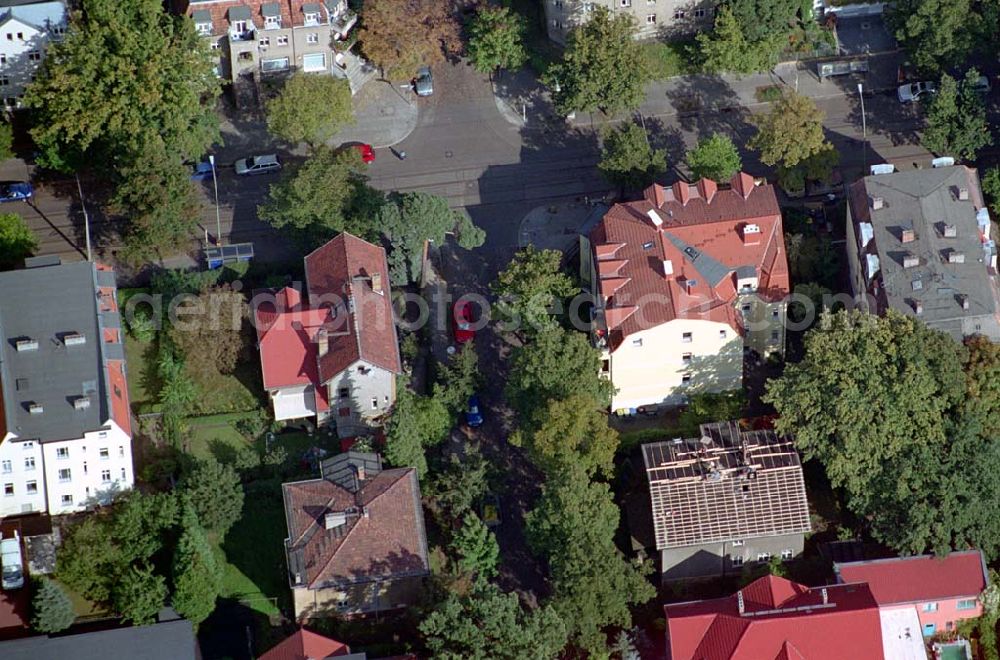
687,281
653,18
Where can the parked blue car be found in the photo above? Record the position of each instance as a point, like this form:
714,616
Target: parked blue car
202,171
473,416
15,191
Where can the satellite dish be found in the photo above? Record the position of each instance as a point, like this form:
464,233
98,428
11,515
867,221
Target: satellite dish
450,350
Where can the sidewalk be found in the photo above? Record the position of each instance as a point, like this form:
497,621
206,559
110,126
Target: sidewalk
524,102
384,114
559,226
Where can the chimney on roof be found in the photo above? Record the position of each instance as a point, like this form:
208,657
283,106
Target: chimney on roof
906,234
910,260
26,344
359,471
956,257
81,403
950,231
35,408
963,194
739,601
751,234
668,268
377,282
877,203
826,596
322,342
74,339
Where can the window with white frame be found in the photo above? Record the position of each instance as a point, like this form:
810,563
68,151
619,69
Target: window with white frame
62,452
736,560
204,29
272,22
123,474
3,58
686,338
65,475
29,463
722,334
121,451
67,500
277,64
8,490
238,27
85,467
786,555
737,543
264,42
314,62
969,604
650,19
699,13
6,467
930,607
679,14
312,38
104,453
625,3
105,476
28,445
282,40
216,45
686,359
637,342
686,379
763,556
31,487
312,18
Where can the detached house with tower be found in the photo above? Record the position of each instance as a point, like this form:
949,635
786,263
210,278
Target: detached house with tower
331,354
65,425
686,280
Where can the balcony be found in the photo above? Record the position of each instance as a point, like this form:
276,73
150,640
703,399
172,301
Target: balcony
343,22
248,34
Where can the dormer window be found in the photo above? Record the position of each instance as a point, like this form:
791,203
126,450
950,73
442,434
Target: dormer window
272,22
204,29
312,18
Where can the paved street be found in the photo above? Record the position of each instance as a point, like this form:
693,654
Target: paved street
465,149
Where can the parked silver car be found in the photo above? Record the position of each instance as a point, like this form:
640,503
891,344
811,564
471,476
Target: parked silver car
11,563
911,92
257,165
423,84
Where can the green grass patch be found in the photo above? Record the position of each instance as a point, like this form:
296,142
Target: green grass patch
255,571
81,606
240,391
667,59
143,381
767,94
214,437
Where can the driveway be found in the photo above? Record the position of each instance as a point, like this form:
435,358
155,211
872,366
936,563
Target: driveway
864,34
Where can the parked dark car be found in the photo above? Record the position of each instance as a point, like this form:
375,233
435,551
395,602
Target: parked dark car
474,414
202,171
16,191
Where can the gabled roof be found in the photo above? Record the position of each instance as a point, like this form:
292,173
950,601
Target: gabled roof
919,579
380,531
306,645
726,484
774,618
351,275
292,12
700,230
39,14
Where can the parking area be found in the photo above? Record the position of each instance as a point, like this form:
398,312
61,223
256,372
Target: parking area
859,35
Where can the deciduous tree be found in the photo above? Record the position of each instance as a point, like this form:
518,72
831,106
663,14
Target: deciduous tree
496,38
17,241
790,132
210,329
52,609
956,119
490,624
627,158
408,220
417,422
529,287
458,379
310,108
571,431
727,48
602,67
714,158
325,195
761,19
936,33
215,492
401,35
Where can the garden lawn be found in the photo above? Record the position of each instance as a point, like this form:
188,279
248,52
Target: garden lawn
667,59
214,437
143,383
239,391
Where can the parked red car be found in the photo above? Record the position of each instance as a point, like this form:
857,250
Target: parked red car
366,151
462,323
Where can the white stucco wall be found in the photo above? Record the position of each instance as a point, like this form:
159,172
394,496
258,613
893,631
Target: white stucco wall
21,465
94,477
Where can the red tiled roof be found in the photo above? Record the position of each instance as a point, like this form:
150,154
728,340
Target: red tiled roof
306,645
343,274
672,224
388,541
915,579
780,619
291,11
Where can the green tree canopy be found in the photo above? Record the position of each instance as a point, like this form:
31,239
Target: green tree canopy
6,140
572,431
627,158
52,609
790,132
714,158
210,330
327,194
410,219
818,167
727,48
401,35
556,364
215,492
417,422
956,119
528,287
573,526
761,19
140,594
490,624
311,108
456,487
196,573
496,37
476,548
991,188
458,379
17,241
602,67
937,34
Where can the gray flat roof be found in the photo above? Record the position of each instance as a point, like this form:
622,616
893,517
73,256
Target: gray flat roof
926,201
240,13
44,305
271,9
172,640
201,16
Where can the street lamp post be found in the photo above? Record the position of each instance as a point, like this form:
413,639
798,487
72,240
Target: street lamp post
864,128
86,218
218,220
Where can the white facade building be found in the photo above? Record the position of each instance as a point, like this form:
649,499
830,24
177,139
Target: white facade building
26,29
65,426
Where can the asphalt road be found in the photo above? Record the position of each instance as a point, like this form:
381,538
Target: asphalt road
464,150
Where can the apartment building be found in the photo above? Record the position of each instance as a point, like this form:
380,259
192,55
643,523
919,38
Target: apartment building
686,280
653,18
251,38
65,428
919,242
725,499
27,27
